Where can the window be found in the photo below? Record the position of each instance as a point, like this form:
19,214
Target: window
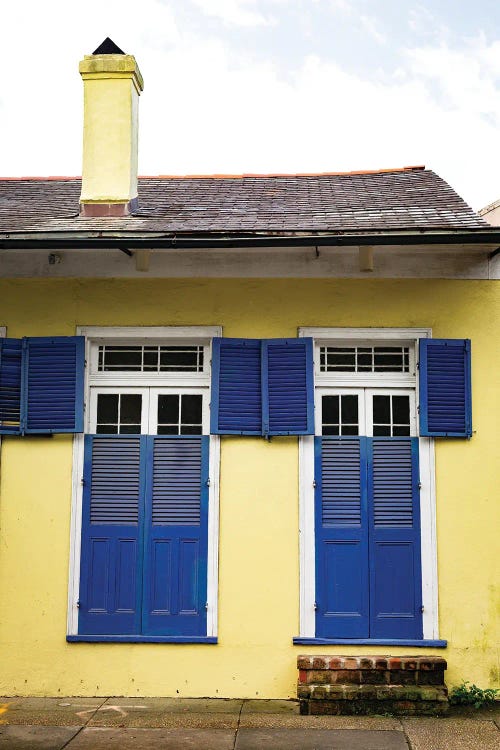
149,479
367,494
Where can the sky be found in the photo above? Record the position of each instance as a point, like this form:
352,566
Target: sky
265,86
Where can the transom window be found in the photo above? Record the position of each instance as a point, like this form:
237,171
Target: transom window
364,358
132,358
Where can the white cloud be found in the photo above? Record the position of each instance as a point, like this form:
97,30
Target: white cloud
207,110
234,12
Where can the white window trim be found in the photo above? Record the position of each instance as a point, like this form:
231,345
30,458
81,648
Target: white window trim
154,334
427,478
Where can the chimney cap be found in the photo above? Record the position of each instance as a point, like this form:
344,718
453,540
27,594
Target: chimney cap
108,47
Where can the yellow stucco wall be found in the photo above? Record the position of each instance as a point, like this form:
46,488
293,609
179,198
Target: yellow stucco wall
259,561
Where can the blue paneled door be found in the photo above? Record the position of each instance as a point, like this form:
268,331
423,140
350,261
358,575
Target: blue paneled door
367,522
144,536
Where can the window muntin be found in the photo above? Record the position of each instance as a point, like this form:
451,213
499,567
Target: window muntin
340,414
358,359
391,415
179,414
119,413
374,412
147,358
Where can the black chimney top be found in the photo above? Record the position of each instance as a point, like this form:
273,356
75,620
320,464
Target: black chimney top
108,47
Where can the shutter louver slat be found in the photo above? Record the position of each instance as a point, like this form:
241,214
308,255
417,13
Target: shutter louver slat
445,388
236,387
288,395
10,386
341,482
53,386
392,483
114,493
176,482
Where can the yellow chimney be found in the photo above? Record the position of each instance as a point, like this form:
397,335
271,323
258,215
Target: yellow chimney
112,84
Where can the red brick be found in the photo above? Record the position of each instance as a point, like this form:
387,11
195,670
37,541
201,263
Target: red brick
304,662
381,664
336,663
410,664
351,663
394,663
365,663
302,675
319,662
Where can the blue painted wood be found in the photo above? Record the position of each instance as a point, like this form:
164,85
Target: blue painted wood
140,639
342,589
424,643
52,388
287,387
236,407
176,536
394,538
445,387
112,544
10,386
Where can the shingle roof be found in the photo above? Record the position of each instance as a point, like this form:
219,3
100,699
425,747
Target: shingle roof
405,199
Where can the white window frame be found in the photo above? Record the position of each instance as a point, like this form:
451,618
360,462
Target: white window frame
94,335
389,381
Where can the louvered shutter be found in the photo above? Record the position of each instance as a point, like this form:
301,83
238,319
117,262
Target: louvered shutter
236,406
287,387
342,590
445,387
112,523
394,538
53,384
176,537
262,387
10,386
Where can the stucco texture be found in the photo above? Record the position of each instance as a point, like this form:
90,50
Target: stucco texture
259,548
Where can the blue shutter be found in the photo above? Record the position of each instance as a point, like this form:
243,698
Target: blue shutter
342,590
176,537
53,384
394,533
287,387
112,522
236,406
10,386
445,388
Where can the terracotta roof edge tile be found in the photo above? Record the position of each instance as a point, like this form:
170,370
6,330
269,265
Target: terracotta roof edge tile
231,176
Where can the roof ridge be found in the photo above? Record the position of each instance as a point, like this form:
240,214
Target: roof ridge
415,168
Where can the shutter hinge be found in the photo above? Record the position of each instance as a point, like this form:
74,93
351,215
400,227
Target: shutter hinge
77,604
206,605
208,482
82,482
316,606
418,409
422,608
314,483
418,365
419,485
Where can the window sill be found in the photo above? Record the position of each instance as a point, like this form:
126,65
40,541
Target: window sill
139,639
426,643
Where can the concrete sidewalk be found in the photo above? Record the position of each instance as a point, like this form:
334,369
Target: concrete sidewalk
216,724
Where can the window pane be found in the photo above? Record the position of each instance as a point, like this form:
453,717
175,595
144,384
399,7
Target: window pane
130,429
382,430
168,409
401,410
122,357
381,410
330,405
179,358
168,429
401,431
151,358
110,429
350,410
191,409
130,408
350,429
331,429
191,429
107,408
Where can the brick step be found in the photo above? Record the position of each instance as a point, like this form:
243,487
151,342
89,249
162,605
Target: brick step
368,684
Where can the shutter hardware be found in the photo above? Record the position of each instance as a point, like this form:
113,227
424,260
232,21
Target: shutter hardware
314,483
